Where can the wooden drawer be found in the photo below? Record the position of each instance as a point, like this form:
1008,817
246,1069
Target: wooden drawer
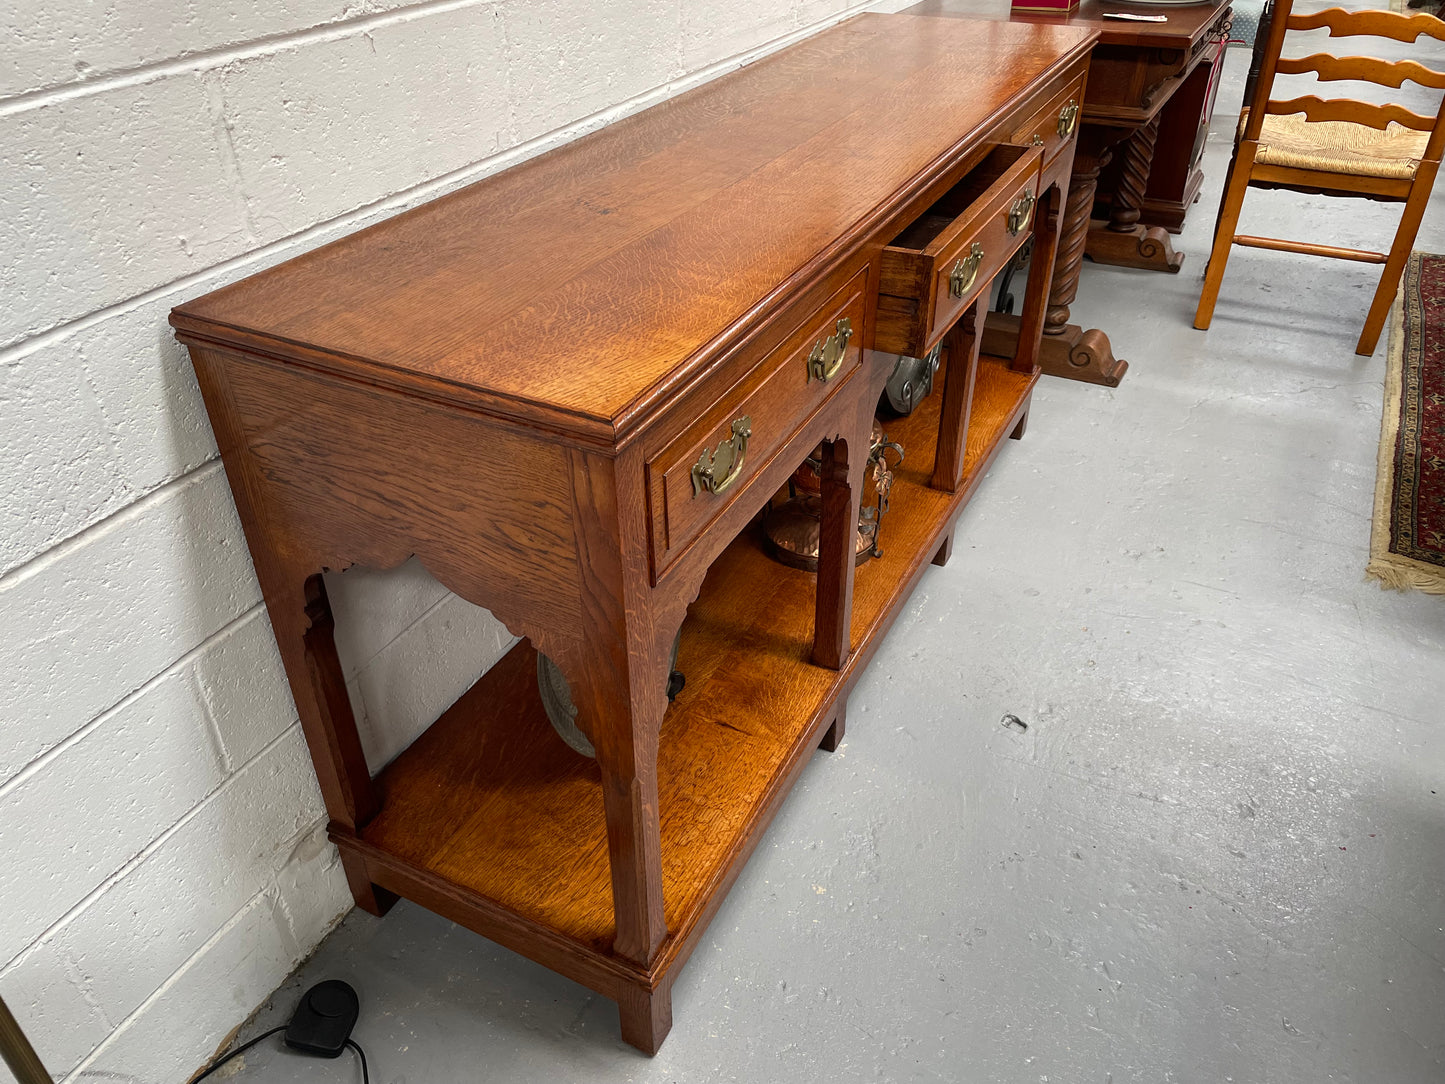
1055,124
692,481
936,267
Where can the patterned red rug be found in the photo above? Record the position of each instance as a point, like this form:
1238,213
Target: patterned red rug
1407,542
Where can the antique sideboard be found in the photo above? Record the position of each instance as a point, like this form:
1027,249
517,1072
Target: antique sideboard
569,390
1144,122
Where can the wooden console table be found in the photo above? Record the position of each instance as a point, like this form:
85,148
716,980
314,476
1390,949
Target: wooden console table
569,389
1142,77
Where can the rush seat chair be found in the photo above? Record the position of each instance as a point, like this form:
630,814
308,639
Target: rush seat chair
1334,147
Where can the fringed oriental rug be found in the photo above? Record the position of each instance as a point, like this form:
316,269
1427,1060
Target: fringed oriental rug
1407,540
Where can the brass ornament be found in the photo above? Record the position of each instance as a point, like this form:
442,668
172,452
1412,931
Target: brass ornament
1068,119
965,271
1021,213
717,470
827,356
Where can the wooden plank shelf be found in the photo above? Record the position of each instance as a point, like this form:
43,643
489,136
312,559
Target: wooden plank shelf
492,819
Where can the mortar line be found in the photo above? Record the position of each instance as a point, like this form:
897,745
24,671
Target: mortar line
37,563
149,849
219,56
82,983
213,726
43,759
170,980
411,196
420,618
270,44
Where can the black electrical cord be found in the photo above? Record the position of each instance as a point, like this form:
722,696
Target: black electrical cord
360,1053
239,1051
365,1075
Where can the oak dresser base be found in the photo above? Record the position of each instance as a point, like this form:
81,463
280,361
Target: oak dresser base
569,390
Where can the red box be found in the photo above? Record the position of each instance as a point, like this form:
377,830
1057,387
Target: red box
1055,7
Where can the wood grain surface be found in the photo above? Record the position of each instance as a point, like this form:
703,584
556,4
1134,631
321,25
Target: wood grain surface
776,397
1043,128
587,278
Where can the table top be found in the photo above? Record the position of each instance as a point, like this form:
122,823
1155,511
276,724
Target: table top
585,286
1184,23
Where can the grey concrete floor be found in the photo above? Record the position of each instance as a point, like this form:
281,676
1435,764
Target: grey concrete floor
1217,852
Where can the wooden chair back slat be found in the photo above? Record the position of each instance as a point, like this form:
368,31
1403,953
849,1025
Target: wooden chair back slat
1386,73
1322,163
1377,24
1375,116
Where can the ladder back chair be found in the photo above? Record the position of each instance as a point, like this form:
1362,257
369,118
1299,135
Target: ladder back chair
1333,147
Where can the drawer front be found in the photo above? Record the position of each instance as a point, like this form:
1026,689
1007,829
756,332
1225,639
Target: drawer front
937,267
1056,124
967,268
702,472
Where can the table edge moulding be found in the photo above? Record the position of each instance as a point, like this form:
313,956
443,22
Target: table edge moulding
569,390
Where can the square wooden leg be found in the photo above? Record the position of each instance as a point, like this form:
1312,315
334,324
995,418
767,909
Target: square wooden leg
371,898
841,476
945,550
646,1017
1048,222
1020,428
962,343
833,736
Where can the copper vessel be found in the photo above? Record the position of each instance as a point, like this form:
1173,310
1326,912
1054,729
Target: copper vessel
791,530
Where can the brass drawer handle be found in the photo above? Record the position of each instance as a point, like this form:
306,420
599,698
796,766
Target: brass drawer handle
1068,119
1021,212
715,471
1038,140
965,271
827,356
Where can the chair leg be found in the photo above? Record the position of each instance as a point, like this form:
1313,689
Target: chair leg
1395,263
1235,185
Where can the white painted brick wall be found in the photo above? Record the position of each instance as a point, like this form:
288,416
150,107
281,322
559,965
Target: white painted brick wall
402,104
166,861
66,41
408,647
107,195
93,420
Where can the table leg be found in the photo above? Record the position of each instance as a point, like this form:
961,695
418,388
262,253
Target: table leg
305,636
961,344
833,736
945,549
843,464
620,702
1034,315
1125,241
646,1016
618,672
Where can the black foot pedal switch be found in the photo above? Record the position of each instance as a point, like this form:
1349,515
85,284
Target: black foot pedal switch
324,1019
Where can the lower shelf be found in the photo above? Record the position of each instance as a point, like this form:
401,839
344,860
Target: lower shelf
504,823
